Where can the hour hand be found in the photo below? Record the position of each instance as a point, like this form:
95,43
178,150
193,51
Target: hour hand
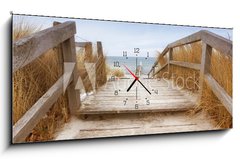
131,85
131,72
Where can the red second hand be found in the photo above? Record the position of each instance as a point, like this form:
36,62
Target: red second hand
131,72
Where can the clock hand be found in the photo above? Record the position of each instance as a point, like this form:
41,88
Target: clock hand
131,85
131,72
136,79
144,86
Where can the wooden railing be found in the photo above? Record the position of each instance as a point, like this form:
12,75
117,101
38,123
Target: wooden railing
28,49
209,41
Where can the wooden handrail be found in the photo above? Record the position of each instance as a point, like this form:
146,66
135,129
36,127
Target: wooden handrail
30,119
209,41
219,92
215,41
27,49
186,64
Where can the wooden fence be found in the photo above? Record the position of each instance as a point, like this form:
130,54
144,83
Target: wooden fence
28,49
209,41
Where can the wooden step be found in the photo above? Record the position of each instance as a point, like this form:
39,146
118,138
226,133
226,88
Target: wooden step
105,102
110,108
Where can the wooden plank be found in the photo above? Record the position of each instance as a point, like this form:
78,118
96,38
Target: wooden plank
165,51
134,124
29,48
124,94
80,44
218,42
112,109
186,64
99,49
187,40
30,119
169,59
219,92
88,53
100,98
67,76
69,55
205,66
119,102
161,68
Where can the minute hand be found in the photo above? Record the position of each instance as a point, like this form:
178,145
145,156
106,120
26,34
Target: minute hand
144,86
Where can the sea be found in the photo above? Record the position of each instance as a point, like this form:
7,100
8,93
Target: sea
130,62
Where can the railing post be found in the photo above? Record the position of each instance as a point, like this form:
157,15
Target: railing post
88,52
99,49
205,65
69,55
153,71
169,59
68,51
100,67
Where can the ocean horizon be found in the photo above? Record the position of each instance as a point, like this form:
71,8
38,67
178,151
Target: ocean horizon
130,62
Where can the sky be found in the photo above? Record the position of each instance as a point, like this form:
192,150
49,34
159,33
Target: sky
117,37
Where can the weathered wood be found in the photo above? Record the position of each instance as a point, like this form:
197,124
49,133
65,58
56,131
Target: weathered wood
166,64
152,69
218,42
219,92
169,59
69,55
86,79
187,40
29,48
135,124
99,49
30,119
80,44
88,53
215,41
101,77
120,108
67,76
205,65
165,51
186,64
164,100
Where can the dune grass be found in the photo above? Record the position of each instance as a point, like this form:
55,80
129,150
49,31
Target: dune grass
89,55
220,69
32,81
117,72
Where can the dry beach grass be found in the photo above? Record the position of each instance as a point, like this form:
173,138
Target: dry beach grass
221,70
32,81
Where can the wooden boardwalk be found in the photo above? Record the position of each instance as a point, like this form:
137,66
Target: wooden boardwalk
128,113
163,98
105,114
113,125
